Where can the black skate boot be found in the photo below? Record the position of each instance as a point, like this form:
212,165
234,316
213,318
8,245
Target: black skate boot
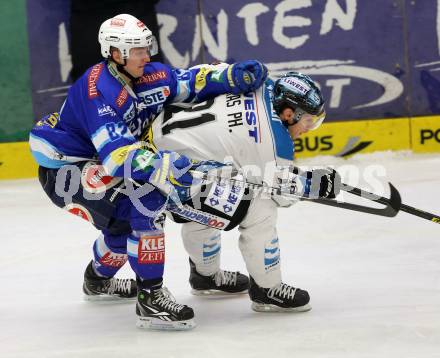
97,288
156,308
221,283
281,298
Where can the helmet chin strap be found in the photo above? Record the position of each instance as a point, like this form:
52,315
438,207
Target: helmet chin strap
124,71
296,117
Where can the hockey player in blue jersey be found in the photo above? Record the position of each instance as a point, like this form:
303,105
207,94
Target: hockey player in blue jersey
90,152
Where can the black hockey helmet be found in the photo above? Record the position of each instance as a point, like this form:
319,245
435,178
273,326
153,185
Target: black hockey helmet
299,91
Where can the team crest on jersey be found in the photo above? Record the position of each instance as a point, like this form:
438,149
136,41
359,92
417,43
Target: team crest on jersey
92,79
79,210
95,179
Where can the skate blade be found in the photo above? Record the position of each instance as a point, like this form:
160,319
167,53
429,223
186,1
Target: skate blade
261,307
160,325
216,293
107,299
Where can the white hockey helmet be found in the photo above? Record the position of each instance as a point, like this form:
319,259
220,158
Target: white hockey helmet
124,32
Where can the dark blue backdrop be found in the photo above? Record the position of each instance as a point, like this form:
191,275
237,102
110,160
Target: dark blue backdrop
373,59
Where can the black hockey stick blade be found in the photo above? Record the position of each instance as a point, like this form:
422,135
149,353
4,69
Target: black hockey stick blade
392,204
403,207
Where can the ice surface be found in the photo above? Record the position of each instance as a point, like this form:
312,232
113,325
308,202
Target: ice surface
374,282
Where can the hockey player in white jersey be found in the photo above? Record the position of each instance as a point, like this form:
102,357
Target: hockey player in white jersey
255,132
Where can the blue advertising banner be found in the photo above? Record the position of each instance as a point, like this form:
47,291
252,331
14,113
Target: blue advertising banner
340,43
372,59
423,19
49,54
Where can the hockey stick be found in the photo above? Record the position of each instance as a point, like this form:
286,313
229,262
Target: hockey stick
391,208
392,204
420,213
395,203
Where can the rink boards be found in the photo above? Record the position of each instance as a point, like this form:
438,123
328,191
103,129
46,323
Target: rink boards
342,139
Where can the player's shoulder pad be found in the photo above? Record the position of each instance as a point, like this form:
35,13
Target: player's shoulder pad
93,80
102,86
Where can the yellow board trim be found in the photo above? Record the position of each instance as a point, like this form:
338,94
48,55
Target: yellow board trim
425,134
16,161
350,137
420,134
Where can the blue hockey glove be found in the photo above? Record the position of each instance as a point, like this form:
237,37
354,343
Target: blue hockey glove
170,172
199,172
246,76
164,167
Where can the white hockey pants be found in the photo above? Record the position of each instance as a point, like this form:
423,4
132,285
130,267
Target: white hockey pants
258,244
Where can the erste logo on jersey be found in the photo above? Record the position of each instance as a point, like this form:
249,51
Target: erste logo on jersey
92,79
151,249
155,96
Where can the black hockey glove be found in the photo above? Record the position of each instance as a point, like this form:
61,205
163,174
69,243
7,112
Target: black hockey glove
314,184
330,182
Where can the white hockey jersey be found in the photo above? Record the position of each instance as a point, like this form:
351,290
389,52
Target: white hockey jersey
239,129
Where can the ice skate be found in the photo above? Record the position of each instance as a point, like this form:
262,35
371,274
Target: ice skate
157,309
221,283
97,288
281,298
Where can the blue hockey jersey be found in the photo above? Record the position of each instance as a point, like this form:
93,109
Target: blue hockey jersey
103,118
